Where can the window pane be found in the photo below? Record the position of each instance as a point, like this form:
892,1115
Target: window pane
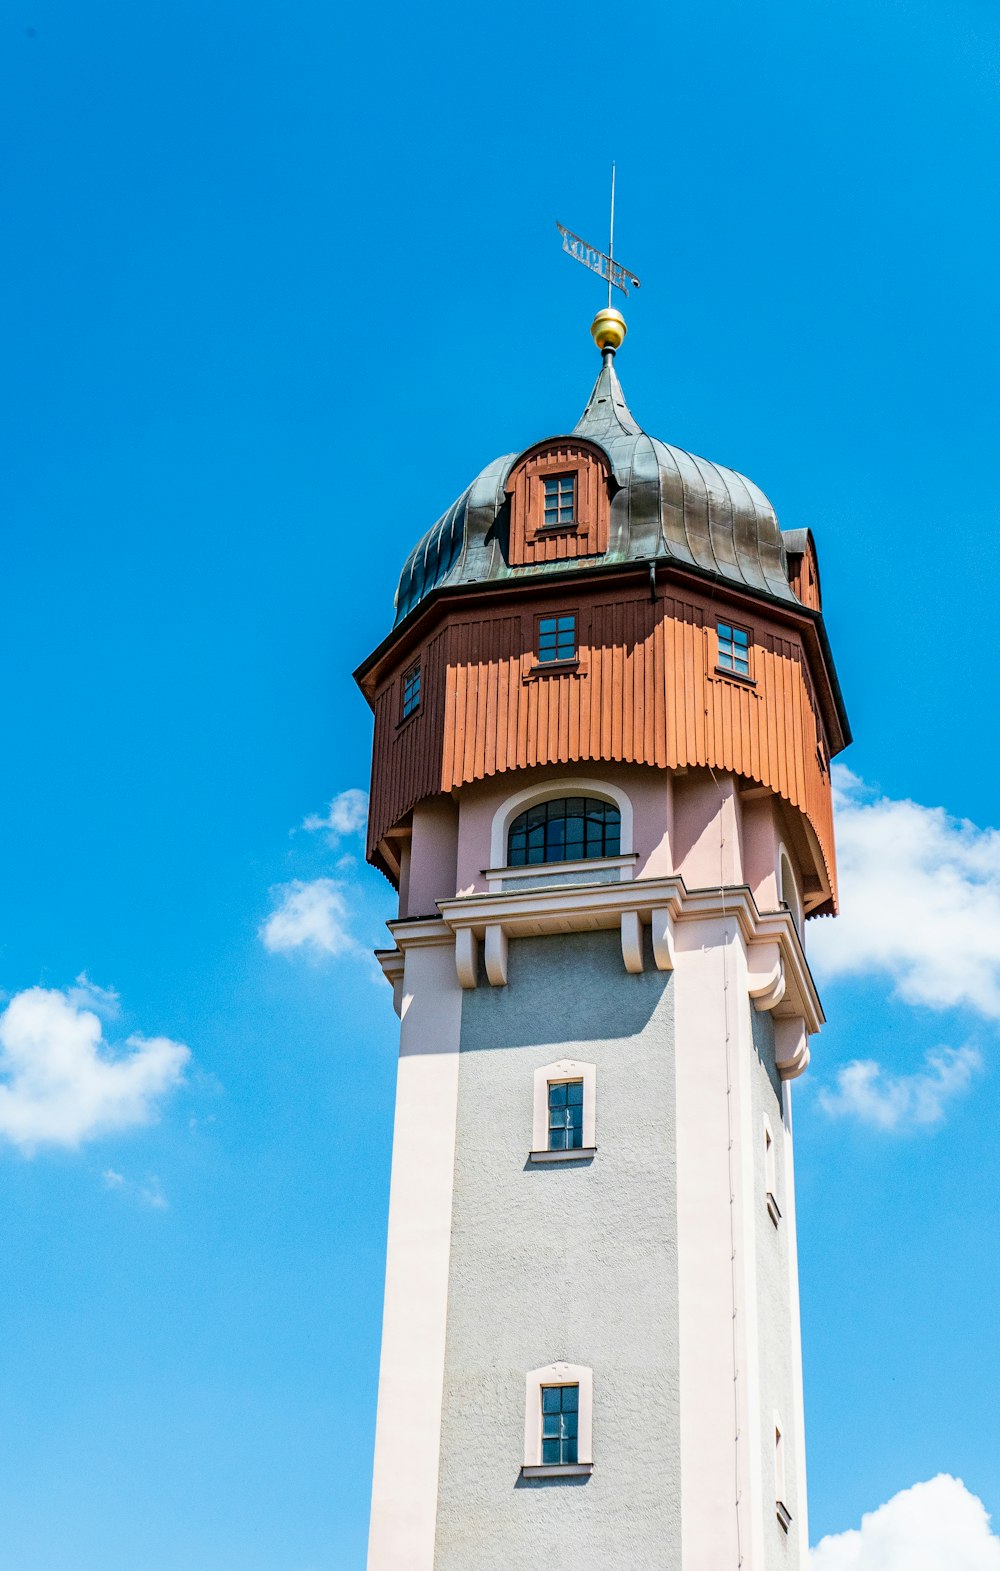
558,1093
574,1092
570,1398
567,829
551,1452
551,1396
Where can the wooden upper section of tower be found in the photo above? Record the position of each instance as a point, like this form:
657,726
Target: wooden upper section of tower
697,636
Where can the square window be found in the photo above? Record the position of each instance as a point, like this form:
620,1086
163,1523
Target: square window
560,501
556,638
734,648
411,691
560,1406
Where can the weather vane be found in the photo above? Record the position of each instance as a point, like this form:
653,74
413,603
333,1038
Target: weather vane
599,262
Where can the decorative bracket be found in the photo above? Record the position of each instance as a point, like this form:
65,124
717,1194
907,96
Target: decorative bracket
662,924
791,1046
495,954
466,957
765,975
632,941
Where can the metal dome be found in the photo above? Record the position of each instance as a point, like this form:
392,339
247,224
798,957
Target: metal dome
666,505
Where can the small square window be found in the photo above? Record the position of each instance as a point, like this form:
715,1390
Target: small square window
734,649
565,1115
411,691
560,500
556,638
560,1425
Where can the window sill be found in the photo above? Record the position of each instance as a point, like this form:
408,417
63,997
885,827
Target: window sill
577,1154
783,1514
772,1209
591,870
571,528
552,668
406,720
735,676
560,1470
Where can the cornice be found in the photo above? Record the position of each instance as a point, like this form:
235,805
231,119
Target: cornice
778,978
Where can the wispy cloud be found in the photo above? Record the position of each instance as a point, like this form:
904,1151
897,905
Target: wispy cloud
902,1104
930,1527
920,899
347,814
151,1194
104,1001
61,1083
312,916
149,1191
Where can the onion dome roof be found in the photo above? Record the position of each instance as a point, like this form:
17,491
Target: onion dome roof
666,505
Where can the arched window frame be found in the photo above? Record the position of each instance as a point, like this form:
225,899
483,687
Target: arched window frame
789,895
549,791
558,1375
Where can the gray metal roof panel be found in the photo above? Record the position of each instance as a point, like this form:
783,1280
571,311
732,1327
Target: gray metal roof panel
667,503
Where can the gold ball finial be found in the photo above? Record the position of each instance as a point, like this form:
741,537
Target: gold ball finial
608,329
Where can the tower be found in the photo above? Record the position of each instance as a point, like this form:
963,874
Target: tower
604,720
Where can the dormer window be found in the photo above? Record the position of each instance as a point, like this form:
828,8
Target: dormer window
560,501
411,691
734,649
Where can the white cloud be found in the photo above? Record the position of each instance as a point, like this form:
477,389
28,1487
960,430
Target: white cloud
61,1083
311,916
920,901
902,1103
346,815
111,1179
936,1526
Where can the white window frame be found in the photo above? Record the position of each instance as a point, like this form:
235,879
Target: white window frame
558,1375
552,1074
547,792
771,1173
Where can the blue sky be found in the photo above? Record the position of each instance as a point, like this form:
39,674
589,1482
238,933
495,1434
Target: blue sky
276,282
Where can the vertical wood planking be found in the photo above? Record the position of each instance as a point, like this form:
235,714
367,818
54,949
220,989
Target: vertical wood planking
646,692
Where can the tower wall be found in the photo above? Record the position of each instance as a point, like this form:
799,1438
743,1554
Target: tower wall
572,1262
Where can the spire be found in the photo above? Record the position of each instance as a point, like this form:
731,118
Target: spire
607,414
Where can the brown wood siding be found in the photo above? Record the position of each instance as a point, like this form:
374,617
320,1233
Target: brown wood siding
531,541
406,755
803,575
646,691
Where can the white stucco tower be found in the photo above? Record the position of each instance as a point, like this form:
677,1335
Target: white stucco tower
604,720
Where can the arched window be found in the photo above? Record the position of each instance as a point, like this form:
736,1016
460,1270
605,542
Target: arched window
790,891
568,829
